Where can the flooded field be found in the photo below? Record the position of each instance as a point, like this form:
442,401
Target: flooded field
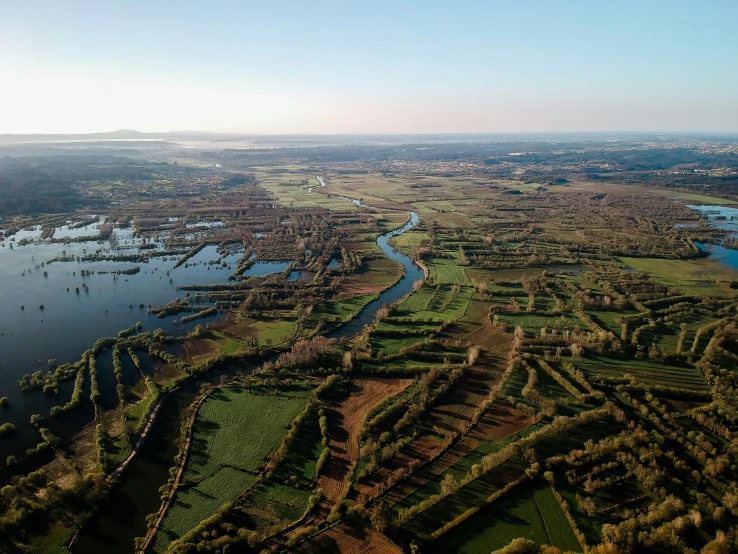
56,305
725,219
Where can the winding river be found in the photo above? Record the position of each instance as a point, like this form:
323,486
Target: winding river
122,517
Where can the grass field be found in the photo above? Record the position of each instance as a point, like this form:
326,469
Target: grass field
373,277
690,277
292,193
226,418
303,454
193,504
607,319
436,303
233,432
392,345
647,371
272,503
267,330
530,512
339,311
407,241
701,198
464,465
473,494
228,345
446,272
533,324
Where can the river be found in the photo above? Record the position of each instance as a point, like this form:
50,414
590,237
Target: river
412,273
122,518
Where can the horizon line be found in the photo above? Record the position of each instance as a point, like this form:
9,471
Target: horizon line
375,134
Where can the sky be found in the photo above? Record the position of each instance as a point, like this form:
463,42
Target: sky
384,67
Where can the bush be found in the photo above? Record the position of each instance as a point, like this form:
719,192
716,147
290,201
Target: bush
7,429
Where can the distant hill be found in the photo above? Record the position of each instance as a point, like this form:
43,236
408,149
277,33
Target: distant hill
122,134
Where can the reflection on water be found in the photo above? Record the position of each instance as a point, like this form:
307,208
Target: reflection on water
719,217
265,268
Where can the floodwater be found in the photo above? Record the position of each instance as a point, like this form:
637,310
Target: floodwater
725,219
266,268
71,321
720,217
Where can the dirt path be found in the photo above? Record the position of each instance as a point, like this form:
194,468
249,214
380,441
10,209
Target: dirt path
344,426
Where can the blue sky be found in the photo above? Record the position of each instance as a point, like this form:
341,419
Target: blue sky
376,67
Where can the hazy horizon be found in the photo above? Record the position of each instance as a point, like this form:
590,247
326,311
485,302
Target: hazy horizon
132,134
416,68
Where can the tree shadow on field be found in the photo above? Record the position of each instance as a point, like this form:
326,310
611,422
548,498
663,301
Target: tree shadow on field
201,493
207,425
322,543
336,432
221,396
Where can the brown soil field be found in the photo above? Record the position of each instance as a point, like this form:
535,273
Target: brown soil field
498,422
475,328
449,418
165,373
349,539
200,349
344,426
355,246
83,450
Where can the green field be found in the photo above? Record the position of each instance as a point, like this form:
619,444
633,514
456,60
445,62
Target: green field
436,303
408,241
339,311
392,345
272,503
446,272
698,277
303,454
647,371
532,324
226,418
292,193
233,432
463,466
528,512
473,494
694,197
193,504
